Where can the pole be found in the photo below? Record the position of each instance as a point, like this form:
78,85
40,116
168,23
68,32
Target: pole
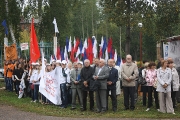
140,49
120,42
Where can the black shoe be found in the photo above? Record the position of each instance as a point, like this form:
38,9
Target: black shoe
98,111
83,109
73,108
126,108
103,112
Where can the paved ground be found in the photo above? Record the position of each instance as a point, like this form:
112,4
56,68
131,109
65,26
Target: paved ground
12,113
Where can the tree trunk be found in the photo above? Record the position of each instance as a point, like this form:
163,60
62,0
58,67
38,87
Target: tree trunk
128,38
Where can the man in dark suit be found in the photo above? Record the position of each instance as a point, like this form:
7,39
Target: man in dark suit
76,85
101,74
86,77
111,84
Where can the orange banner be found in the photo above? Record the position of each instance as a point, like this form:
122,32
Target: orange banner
11,52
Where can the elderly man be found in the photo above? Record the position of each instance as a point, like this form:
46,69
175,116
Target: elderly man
96,63
76,85
129,74
101,74
111,84
86,77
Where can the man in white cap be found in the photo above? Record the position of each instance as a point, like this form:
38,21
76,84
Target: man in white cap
80,64
63,84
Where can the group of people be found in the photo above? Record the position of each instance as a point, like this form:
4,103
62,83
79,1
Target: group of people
163,81
98,82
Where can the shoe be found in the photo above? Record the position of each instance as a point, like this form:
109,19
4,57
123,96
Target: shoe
102,112
126,108
158,110
73,108
147,109
98,111
173,113
83,109
35,101
32,101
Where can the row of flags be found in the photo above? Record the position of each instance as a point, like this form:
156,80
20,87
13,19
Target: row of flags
79,50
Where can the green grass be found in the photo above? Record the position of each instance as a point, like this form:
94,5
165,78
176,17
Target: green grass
24,104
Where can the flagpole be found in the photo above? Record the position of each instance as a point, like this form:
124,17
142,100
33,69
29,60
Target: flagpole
120,42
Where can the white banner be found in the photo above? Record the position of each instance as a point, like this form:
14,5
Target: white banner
50,87
24,46
172,49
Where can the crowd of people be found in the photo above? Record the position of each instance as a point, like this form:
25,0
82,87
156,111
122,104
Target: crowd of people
98,82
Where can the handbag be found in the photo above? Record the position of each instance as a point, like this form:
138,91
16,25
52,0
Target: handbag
142,81
155,83
94,85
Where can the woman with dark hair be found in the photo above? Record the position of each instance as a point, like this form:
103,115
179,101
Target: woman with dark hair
151,77
26,80
164,77
18,72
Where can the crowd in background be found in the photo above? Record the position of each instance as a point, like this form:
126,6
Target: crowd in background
98,81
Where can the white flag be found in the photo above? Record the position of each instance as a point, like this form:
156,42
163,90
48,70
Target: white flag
74,42
78,52
84,46
102,42
115,56
106,56
95,47
70,45
65,54
55,26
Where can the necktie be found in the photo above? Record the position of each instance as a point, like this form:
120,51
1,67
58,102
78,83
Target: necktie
77,74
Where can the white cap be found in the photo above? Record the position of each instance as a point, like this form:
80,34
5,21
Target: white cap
64,62
48,64
37,63
33,63
58,61
80,62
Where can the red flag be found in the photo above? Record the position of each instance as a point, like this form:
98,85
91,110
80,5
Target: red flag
72,54
89,50
34,48
109,45
58,56
76,46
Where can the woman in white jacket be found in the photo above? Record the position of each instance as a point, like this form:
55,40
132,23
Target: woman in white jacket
164,77
174,83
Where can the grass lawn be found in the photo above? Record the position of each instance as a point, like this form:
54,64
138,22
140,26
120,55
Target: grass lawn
24,104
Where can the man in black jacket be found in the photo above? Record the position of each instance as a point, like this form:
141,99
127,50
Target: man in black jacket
86,76
111,84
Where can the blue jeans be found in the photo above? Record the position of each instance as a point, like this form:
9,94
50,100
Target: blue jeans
36,90
6,82
10,85
17,88
64,91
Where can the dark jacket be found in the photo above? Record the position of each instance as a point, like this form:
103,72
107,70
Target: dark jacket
86,75
113,77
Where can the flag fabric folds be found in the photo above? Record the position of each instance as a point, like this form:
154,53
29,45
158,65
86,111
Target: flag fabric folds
109,45
34,48
5,27
70,45
106,56
115,56
55,26
95,47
